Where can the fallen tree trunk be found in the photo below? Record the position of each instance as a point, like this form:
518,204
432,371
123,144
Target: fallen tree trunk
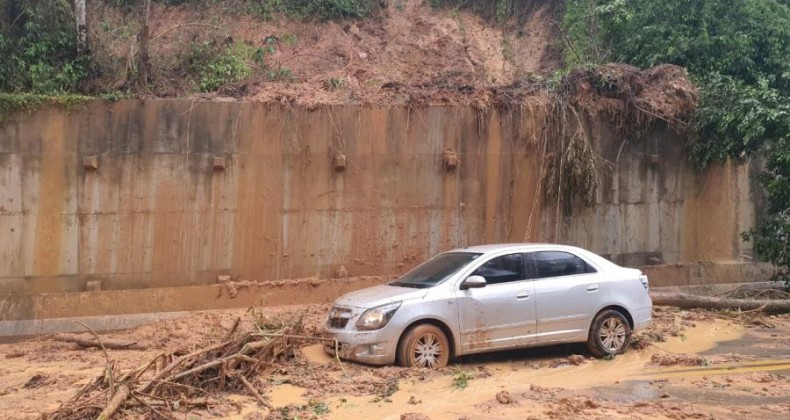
109,344
708,302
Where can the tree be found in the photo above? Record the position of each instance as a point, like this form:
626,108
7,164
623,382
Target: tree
144,61
82,28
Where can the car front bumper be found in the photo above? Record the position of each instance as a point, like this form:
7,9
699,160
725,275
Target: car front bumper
377,347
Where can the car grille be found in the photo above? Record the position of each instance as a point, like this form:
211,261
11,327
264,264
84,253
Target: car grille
337,323
338,318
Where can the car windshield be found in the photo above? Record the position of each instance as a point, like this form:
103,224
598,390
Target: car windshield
435,270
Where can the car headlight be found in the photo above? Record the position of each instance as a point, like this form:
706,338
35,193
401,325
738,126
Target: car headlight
377,317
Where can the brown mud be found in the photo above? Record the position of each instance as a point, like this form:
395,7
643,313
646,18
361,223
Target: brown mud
691,364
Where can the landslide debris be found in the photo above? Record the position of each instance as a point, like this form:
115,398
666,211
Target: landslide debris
185,379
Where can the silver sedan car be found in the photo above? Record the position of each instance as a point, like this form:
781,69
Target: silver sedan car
492,297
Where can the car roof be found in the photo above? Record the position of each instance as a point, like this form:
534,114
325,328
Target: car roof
492,248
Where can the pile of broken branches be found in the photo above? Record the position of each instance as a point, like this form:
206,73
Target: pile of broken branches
182,380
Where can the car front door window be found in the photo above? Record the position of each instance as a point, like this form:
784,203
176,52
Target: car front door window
504,269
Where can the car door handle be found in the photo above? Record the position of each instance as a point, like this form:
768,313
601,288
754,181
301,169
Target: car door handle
523,295
593,288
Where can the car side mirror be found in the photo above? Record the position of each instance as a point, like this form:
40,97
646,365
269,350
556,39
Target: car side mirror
473,282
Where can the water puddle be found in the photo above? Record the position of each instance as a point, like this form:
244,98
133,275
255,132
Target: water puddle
316,354
703,338
287,394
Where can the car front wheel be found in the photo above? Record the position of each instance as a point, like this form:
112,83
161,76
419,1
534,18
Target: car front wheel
609,334
424,346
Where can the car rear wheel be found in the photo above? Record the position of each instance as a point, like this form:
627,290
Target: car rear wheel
609,334
424,346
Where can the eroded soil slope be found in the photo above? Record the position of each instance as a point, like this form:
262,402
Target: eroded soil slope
408,43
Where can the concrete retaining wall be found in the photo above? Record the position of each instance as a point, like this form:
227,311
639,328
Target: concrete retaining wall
165,193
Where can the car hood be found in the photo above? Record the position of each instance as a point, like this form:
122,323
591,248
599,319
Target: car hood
379,295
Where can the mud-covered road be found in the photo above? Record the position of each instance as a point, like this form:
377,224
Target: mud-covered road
690,364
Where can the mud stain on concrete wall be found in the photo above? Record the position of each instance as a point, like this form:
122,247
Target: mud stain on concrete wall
493,175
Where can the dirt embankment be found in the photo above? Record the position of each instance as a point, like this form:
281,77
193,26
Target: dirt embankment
378,59
407,53
675,370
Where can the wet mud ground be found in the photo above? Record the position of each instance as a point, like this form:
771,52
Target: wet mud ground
689,364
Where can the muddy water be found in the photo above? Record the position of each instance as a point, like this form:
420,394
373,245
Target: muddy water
316,354
287,394
440,400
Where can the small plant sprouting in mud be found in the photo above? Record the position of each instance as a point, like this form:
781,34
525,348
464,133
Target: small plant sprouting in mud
609,357
386,391
318,407
461,378
264,322
335,83
312,409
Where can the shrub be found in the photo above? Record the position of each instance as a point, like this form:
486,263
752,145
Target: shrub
217,66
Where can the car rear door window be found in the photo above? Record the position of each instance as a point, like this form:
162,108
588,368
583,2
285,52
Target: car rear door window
503,269
558,264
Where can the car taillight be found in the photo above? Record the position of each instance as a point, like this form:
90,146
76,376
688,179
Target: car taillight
643,279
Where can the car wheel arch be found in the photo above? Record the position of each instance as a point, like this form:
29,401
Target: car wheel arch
619,308
435,322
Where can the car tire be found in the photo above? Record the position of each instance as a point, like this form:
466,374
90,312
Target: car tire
424,346
610,334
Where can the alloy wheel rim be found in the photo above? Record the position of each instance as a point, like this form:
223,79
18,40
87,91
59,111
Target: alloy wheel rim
612,334
427,351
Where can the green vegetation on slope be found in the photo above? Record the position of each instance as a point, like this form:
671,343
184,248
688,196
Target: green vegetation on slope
500,10
301,9
738,54
38,51
38,44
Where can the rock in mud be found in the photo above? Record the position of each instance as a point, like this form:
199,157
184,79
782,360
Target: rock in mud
677,360
576,359
14,354
414,416
573,360
36,381
504,397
